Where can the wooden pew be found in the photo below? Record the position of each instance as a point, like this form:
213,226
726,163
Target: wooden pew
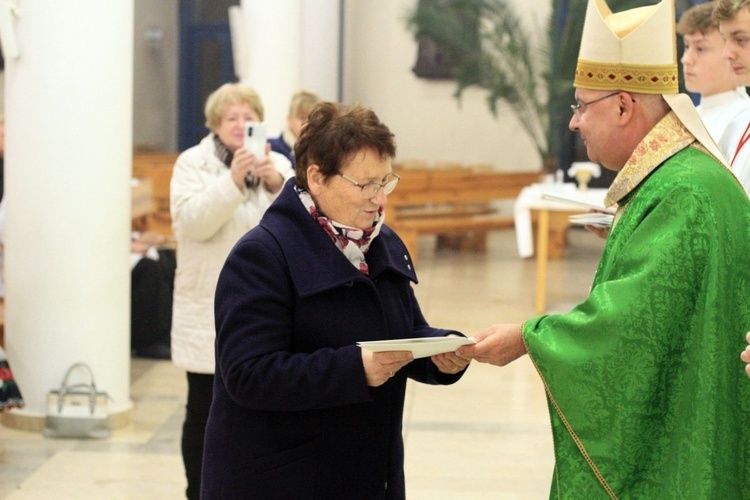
452,201
158,168
142,202
448,200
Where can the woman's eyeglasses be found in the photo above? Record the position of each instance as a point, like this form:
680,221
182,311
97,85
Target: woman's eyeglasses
371,189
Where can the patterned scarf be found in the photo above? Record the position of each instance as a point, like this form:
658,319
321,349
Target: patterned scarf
342,236
227,156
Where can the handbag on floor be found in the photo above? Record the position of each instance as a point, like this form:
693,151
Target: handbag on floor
78,410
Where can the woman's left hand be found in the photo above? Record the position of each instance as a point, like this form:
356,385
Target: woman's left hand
265,170
450,362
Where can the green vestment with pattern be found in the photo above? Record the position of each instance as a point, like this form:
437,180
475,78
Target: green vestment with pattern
648,397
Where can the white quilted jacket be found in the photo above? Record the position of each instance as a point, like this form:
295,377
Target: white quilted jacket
209,215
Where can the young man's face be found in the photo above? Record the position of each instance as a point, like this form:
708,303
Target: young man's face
736,33
705,70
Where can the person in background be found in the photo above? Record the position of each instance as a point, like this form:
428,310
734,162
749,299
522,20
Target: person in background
745,355
218,192
303,102
708,73
299,409
2,155
10,394
646,395
733,17
152,281
2,205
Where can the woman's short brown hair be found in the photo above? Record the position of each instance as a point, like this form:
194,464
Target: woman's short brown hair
334,133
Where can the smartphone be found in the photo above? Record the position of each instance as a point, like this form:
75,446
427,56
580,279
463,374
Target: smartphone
255,139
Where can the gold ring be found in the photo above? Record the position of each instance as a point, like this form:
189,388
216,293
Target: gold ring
391,374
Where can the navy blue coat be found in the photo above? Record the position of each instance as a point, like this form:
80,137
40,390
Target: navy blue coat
279,145
292,415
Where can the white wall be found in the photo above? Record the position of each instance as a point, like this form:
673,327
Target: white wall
290,44
155,75
379,53
427,120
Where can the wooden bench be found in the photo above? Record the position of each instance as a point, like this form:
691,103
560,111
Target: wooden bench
452,201
142,202
157,167
449,200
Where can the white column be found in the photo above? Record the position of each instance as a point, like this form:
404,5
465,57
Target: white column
68,107
290,45
320,46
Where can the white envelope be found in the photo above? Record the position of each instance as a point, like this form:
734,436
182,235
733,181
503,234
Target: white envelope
419,347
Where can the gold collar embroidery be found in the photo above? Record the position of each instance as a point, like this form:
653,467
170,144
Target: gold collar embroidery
666,139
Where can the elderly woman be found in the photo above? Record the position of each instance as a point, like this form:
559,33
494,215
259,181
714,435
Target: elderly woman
219,191
299,410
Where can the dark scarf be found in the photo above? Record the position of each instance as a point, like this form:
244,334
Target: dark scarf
226,158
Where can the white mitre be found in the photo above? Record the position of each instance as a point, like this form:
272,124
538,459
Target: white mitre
636,51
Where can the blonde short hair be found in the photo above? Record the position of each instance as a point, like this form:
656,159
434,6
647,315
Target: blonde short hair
303,102
227,95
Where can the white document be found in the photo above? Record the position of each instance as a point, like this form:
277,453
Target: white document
576,198
419,347
592,219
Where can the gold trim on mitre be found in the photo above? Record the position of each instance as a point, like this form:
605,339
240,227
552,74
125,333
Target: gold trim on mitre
634,50
628,77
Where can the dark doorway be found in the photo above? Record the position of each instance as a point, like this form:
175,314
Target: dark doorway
205,62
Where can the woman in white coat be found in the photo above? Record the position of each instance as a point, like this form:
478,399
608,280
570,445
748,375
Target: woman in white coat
218,192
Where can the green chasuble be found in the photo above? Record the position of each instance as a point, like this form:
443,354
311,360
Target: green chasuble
648,397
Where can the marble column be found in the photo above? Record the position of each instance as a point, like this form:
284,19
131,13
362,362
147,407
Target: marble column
291,45
68,110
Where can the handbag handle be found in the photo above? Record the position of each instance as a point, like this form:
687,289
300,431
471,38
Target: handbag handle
65,388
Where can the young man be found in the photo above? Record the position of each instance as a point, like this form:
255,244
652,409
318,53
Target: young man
708,73
733,17
647,397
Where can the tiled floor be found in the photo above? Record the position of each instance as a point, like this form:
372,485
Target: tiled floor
486,437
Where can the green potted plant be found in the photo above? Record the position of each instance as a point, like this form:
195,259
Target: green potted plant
486,45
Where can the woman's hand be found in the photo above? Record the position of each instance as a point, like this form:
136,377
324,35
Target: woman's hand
242,163
380,366
266,171
450,362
